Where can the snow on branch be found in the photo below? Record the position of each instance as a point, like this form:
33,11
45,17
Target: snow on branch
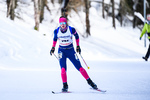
139,15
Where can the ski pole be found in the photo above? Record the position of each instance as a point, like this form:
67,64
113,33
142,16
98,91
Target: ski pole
85,62
55,56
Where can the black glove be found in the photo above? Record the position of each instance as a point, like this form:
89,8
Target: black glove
78,49
140,38
52,50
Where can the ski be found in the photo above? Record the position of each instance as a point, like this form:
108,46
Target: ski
60,92
99,90
103,91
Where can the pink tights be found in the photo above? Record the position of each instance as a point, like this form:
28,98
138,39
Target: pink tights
64,74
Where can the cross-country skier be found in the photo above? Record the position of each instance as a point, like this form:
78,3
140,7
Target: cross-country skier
146,28
64,34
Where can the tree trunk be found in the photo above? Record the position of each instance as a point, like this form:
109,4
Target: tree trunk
87,17
134,21
36,14
41,6
121,12
52,1
103,9
113,14
12,11
11,5
64,9
60,1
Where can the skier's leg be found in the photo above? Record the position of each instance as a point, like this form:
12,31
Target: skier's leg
64,79
91,83
74,59
84,73
63,75
62,62
148,52
86,76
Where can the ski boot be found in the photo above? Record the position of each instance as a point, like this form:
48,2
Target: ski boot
65,87
145,58
92,84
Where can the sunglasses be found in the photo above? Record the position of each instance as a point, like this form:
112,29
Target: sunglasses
62,23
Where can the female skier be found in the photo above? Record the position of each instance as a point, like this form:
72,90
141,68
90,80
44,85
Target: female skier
66,50
146,28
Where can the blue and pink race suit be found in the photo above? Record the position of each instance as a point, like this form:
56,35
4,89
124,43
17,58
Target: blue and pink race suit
66,50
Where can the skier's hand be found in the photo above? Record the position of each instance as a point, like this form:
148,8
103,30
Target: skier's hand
140,38
52,50
78,49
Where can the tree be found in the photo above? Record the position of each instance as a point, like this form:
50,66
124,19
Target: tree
11,5
113,14
121,11
52,1
103,8
134,10
37,5
64,7
43,4
87,17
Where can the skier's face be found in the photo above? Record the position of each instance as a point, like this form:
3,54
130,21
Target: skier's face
148,17
63,25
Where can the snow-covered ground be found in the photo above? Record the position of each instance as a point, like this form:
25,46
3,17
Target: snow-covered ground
28,72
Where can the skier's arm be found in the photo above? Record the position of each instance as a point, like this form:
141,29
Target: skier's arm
55,38
78,49
54,43
76,36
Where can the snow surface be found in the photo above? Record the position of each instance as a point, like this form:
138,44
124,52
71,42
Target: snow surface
28,72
